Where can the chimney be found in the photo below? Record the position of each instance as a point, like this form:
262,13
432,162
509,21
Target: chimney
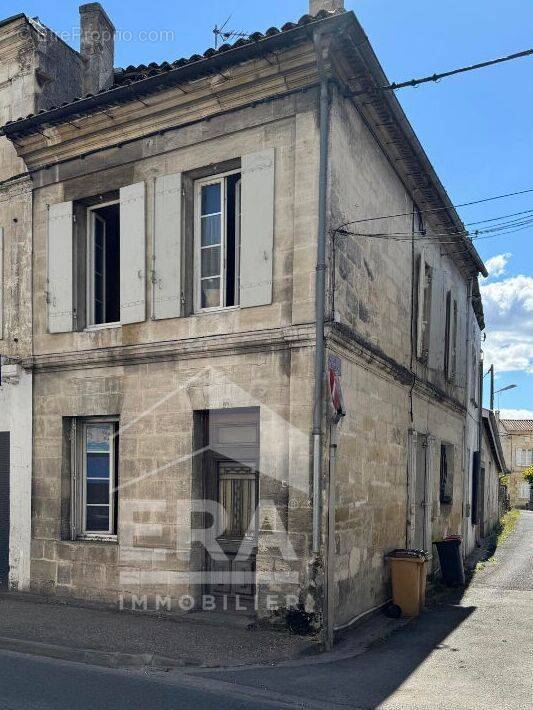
315,6
97,48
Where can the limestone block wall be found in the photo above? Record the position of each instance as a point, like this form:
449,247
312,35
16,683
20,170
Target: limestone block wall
372,484
155,403
370,286
511,443
289,126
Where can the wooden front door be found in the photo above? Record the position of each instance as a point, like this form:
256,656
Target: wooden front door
232,481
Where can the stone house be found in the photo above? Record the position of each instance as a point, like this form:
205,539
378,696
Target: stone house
486,507
517,439
217,243
37,70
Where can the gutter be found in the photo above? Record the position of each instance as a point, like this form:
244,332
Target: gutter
320,294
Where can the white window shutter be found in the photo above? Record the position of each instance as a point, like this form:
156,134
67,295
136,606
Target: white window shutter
257,229
132,254
167,248
60,291
1,283
519,457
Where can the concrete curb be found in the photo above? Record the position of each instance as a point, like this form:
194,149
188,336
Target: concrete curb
107,659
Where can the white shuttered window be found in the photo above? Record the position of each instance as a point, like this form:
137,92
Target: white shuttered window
60,293
166,277
132,254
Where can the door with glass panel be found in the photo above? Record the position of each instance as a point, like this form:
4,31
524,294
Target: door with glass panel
233,483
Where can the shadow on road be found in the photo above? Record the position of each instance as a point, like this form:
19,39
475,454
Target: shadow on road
368,679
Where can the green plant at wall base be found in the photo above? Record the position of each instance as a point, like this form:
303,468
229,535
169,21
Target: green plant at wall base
504,480
507,525
528,474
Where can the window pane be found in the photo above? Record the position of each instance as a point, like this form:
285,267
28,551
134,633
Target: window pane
98,438
211,202
98,466
211,230
97,491
210,293
98,518
236,495
211,261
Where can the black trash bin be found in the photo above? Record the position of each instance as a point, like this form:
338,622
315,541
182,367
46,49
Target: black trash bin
451,562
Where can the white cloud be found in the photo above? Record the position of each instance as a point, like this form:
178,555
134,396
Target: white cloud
496,264
508,308
516,414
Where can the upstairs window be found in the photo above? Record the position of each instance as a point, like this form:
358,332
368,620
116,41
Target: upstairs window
450,345
103,264
424,296
217,237
524,457
446,473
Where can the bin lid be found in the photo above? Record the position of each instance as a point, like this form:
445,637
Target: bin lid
408,555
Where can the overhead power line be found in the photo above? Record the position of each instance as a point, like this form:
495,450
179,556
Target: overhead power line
437,77
435,209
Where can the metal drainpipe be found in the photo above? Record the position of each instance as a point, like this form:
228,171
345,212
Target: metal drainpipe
320,296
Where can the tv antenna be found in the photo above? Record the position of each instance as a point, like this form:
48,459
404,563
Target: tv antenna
222,34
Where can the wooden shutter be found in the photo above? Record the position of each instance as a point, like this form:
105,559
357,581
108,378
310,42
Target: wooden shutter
132,254
167,248
60,291
1,283
257,229
420,271
453,344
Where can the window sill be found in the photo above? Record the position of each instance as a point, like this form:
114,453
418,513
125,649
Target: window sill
100,539
102,326
224,309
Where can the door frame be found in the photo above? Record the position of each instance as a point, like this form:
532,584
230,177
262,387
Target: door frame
5,502
242,453
412,474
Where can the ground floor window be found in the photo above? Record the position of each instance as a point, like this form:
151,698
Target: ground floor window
95,477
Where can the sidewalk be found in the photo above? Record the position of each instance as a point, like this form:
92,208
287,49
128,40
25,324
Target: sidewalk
35,625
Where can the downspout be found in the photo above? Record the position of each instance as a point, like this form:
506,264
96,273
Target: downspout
320,295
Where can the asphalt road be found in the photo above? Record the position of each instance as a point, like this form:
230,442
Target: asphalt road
468,656
30,683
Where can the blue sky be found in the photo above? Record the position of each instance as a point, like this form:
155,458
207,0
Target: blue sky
476,128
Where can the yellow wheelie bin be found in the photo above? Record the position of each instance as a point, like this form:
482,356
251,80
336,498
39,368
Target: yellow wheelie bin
408,572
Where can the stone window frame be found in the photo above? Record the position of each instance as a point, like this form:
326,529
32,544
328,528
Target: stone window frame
78,479
211,179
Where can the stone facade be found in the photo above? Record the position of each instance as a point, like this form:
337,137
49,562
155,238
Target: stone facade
158,376
36,71
517,436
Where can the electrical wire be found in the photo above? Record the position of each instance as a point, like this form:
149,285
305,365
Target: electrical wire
443,75
439,209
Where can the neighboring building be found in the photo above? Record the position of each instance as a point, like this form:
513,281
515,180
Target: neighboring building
36,71
493,466
517,438
180,213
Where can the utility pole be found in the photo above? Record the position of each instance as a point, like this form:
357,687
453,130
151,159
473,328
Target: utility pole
491,370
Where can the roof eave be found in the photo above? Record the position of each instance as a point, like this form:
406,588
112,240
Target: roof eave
170,78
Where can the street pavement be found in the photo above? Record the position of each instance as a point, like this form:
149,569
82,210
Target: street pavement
469,655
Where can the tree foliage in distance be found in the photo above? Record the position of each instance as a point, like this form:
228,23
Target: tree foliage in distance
528,474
